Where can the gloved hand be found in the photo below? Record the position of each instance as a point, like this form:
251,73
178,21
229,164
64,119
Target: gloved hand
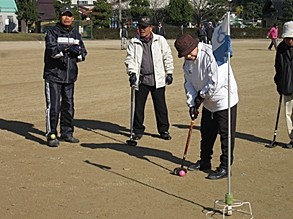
63,48
169,79
193,112
132,79
74,49
198,100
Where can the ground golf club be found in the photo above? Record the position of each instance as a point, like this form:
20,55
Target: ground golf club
131,141
274,143
181,171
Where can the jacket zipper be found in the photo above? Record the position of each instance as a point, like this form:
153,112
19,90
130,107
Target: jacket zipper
68,62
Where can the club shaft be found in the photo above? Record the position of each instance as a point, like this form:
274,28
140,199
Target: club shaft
187,142
277,120
132,111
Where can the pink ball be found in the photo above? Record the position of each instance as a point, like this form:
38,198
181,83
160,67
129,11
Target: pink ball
182,173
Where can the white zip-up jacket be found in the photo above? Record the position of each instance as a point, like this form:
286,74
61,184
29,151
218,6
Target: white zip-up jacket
161,54
205,76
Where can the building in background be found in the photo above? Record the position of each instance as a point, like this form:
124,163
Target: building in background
8,18
88,3
46,12
272,12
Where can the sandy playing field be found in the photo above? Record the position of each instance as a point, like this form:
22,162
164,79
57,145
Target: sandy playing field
101,177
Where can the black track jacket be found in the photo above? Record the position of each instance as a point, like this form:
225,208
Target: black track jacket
60,66
284,69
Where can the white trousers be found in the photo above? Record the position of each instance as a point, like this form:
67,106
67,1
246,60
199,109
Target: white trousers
288,102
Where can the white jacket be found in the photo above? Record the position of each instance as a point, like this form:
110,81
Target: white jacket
162,58
204,75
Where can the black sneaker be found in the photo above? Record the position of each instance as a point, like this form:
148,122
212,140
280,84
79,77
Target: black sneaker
52,141
219,173
70,139
136,136
201,167
165,136
289,145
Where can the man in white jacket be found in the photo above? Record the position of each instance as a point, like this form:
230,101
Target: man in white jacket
150,67
206,83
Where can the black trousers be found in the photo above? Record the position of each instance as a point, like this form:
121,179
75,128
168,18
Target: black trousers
160,107
59,100
202,39
211,125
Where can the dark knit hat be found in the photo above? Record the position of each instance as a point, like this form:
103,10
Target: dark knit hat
184,44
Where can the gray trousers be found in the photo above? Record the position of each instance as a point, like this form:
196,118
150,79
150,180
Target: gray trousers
274,42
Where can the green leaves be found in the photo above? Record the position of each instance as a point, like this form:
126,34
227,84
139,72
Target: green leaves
179,12
27,10
102,13
139,8
288,10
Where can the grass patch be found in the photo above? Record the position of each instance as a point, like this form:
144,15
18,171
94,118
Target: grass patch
21,37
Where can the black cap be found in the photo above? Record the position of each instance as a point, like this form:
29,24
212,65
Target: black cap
145,21
65,9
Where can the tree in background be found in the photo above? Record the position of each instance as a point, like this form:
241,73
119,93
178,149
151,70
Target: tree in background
158,11
62,3
27,11
179,12
239,11
251,9
200,10
287,11
212,10
102,12
139,8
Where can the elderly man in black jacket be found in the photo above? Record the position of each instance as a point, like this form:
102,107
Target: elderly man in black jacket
284,75
64,48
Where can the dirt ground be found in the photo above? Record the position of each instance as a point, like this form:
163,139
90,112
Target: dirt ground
101,177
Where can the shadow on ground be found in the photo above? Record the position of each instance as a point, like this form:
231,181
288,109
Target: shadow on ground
243,136
109,169
140,152
24,129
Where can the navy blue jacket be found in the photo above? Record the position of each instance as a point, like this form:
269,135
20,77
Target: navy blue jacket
60,64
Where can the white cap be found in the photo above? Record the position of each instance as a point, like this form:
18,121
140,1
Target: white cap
288,30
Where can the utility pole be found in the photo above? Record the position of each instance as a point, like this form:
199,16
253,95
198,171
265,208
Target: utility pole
80,30
120,14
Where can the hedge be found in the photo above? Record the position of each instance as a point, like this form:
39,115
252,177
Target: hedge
173,32
106,33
